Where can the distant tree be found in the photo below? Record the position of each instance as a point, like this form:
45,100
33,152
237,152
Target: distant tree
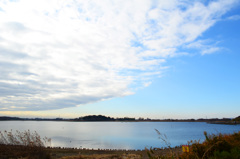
9,118
126,119
237,118
96,118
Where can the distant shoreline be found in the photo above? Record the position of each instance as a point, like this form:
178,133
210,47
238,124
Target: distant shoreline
225,122
167,121
101,118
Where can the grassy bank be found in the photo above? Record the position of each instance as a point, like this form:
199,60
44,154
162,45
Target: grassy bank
26,152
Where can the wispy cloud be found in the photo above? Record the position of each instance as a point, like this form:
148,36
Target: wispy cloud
204,46
57,54
234,17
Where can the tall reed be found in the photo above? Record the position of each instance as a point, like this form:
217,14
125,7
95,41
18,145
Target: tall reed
24,144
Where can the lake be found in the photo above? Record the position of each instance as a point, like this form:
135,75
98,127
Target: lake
118,135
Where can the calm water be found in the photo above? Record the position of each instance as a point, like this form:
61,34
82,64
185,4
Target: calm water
118,135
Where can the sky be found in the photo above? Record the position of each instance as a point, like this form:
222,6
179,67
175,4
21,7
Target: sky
138,58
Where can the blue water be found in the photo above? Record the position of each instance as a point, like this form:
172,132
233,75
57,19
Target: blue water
118,135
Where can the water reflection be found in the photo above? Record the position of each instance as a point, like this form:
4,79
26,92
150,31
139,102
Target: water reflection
117,135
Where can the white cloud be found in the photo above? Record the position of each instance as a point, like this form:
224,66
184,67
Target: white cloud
205,46
56,53
234,17
210,50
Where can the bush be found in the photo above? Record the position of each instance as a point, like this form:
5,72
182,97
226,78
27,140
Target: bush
220,146
215,147
233,154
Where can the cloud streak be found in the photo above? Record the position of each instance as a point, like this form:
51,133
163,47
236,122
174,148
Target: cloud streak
58,54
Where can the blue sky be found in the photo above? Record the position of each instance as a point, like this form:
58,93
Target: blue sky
156,59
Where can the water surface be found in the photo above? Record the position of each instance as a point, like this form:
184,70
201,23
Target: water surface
118,135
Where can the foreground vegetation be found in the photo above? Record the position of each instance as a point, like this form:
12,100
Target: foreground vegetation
29,145
23,144
220,146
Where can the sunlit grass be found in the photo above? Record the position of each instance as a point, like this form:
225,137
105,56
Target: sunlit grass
215,146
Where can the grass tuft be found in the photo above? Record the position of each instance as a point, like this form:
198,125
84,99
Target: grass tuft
23,144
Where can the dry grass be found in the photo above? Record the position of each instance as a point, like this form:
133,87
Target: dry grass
23,145
215,146
105,156
25,138
220,146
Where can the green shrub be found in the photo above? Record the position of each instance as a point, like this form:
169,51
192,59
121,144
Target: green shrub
233,154
219,146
